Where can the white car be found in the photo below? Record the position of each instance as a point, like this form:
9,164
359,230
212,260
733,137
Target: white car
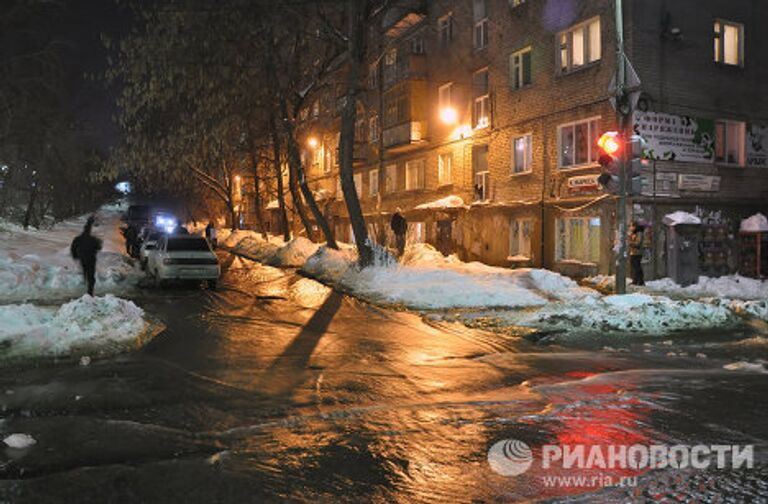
183,257
148,244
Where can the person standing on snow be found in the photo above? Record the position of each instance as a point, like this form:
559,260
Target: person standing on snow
84,249
210,234
399,226
636,237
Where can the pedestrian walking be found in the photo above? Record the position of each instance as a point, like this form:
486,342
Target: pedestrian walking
84,248
636,241
399,226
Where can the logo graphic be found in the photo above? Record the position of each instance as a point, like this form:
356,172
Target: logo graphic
510,457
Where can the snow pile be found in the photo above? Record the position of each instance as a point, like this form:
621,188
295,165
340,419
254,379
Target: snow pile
633,313
447,202
755,367
274,251
680,217
19,441
731,286
427,280
756,223
754,308
296,252
228,238
50,272
88,323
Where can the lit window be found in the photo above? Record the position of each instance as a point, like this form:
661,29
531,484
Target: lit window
482,182
522,157
445,95
520,237
729,43
358,179
373,182
390,180
730,142
481,112
520,68
373,128
481,23
445,29
577,143
414,174
579,45
578,239
444,168
515,3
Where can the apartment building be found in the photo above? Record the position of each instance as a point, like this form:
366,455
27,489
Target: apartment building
480,118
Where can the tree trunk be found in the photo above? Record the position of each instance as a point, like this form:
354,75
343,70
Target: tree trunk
356,36
294,160
257,194
30,206
280,193
297,203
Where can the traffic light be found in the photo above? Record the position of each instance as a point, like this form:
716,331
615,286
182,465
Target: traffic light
612,144
610,153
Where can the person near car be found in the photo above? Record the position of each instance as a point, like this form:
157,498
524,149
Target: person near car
399,227
84,248
210,234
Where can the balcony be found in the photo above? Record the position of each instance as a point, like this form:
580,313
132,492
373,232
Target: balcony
412,66
409,133
403,16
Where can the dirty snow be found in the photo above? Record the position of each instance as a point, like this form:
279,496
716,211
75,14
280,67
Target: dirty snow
730,286
19,441
754,224
443,203
98,324
36,264
680,217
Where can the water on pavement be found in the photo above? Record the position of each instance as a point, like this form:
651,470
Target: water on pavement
276,388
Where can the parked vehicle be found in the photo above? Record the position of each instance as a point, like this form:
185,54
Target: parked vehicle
183,257
148,244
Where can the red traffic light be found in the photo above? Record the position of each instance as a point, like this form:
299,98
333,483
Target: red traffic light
610,142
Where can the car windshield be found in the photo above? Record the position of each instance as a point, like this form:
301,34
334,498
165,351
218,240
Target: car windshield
192,244
153,237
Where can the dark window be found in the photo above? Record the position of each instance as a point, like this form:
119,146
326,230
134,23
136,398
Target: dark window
188,244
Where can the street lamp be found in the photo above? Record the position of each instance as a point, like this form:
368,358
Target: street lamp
448,115
312,142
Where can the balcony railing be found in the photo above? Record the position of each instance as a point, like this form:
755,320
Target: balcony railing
413,66
406,133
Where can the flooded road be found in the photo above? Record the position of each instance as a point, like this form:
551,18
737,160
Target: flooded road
276,388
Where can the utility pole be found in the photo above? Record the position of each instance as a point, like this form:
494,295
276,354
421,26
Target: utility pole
622,113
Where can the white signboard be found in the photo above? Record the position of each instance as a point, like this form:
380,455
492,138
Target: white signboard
676,138
757,146
691,182
583,183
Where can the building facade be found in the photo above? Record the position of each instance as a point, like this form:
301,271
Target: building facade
480,119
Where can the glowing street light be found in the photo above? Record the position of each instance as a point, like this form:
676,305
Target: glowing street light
448,115
312,142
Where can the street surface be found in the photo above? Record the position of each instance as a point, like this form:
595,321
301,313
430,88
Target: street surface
273,387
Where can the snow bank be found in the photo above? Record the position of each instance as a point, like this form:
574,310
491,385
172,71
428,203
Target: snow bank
447,202
92,324
632,313
273,251
680,217
36,264
428,280
19,441
754,224
731,286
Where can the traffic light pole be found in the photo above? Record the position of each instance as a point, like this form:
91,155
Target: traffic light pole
621,211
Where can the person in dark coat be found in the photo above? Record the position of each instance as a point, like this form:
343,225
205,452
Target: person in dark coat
636,239
399,226
210,234
84,249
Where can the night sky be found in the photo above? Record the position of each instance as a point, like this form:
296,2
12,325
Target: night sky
92,103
